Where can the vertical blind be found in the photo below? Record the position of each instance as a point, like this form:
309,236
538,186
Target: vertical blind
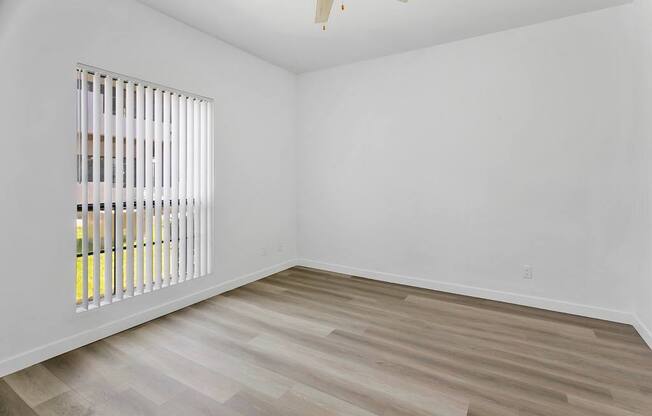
144,176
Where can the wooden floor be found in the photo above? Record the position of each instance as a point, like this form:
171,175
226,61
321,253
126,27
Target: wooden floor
305,342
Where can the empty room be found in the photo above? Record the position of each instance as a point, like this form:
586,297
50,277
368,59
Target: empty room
326,207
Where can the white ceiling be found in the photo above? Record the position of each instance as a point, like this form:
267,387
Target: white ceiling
283,32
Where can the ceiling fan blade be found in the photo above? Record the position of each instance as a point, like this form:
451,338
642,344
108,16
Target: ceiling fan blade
404,1
323,10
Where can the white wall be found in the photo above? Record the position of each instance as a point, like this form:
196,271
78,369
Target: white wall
642,36
459,164
40,44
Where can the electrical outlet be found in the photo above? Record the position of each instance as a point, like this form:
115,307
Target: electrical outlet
263,251
280,248
527,272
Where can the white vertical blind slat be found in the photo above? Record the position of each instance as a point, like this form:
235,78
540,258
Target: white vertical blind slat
108,189
83,132
174,162
140,181
203,176
183,174
190,209
209,190
119,188
196,184
158,184
129,186
165,257
149,179
97,103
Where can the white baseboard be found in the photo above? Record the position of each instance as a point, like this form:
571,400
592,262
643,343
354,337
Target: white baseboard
643,330
509,297
44,352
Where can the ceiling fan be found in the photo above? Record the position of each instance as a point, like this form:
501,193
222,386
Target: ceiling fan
324,8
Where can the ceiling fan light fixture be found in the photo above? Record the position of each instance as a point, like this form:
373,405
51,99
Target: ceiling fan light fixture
324,10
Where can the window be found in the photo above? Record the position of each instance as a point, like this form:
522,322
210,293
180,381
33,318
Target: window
144,187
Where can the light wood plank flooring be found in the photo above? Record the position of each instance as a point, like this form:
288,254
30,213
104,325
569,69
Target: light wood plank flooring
306,342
